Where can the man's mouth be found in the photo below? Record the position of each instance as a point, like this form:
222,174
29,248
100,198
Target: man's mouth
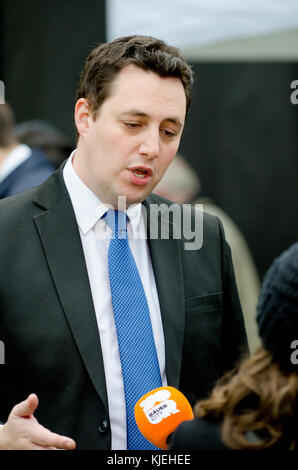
142,170
141,174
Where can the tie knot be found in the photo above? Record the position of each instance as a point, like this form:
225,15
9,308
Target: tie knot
117,221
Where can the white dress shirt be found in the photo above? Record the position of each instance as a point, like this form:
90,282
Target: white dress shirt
15,158
95,236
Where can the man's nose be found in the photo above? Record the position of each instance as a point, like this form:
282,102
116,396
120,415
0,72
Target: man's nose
149,146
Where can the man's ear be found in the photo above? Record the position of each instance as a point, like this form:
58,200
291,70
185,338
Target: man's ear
82,116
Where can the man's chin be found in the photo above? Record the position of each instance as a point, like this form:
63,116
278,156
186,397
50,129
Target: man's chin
132,198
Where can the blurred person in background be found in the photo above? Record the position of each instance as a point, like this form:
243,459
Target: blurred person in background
21,167
256,406
182,185
44,135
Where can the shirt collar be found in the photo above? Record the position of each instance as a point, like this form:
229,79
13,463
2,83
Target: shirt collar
87,206
15,158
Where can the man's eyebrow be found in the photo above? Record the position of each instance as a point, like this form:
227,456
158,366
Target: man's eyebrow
135,112
175,121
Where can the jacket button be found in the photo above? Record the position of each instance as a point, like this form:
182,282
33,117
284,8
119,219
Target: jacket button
103,426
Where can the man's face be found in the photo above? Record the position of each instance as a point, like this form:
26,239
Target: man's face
126,150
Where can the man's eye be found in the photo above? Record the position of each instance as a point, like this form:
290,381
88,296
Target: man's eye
168,133
132,125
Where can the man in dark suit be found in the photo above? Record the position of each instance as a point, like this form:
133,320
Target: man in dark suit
21,167
56,304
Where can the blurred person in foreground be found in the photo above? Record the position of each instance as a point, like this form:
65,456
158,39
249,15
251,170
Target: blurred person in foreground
182,184
256,405
66,301
21,167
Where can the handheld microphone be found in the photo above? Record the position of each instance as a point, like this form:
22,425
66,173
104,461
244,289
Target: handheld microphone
159,412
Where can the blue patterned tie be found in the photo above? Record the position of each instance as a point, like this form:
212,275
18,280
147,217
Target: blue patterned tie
140,368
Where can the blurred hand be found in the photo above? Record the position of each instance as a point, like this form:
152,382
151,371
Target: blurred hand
22,430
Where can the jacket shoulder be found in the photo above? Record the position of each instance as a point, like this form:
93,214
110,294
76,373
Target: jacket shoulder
18,202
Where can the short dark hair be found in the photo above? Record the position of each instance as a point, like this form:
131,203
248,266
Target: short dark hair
106,61
7,122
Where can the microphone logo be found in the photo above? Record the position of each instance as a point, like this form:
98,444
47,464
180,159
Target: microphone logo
159,413
157,406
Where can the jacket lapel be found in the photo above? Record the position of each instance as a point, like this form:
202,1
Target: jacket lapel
60,238
168,271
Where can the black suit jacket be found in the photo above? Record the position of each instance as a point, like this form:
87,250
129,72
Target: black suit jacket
48,323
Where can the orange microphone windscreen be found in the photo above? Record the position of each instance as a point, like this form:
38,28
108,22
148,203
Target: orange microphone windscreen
159,413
